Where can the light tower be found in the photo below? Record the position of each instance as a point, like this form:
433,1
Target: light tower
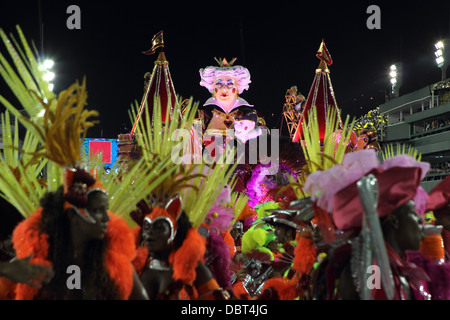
395,78
442,56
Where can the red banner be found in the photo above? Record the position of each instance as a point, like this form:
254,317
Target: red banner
323,54
157,41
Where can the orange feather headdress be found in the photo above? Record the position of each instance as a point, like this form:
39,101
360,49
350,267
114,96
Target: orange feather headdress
185,259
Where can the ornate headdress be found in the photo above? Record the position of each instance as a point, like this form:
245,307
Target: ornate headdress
61,133
170,213
397,185
59,125
78,185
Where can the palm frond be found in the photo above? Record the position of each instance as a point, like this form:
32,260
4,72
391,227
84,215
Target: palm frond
320,156
198,184
389,151
21,178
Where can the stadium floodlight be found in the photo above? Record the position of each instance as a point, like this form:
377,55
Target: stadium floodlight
439,53
393,74
395,77
439,45
442,57
440,61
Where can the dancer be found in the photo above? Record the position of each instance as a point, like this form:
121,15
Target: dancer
65,232
176,270
400,199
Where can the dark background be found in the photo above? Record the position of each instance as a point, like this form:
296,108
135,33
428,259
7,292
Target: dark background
276,41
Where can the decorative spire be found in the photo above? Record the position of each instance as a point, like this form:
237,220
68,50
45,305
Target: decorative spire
159,86
324,56
321,96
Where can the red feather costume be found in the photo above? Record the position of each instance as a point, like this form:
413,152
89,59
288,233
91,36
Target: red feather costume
29,239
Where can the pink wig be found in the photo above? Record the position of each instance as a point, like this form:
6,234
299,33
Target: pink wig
240,73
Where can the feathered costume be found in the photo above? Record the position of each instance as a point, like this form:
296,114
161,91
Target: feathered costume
399,180
433,254
29,239
56,127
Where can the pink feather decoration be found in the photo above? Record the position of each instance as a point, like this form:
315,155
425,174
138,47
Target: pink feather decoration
439,274
220,265
219,216
405,161
323,185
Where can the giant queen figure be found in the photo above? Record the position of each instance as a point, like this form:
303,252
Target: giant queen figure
225,110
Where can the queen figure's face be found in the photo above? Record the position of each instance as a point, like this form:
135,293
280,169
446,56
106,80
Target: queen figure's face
225,89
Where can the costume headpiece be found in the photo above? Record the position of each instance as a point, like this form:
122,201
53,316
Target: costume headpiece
240,73
224,63
297,211
335,190
323,184
397,186
78,185
170,213
62,130
255,242
59,124
399,181
184,259
326,186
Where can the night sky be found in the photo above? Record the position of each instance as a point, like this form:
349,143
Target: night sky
277,42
